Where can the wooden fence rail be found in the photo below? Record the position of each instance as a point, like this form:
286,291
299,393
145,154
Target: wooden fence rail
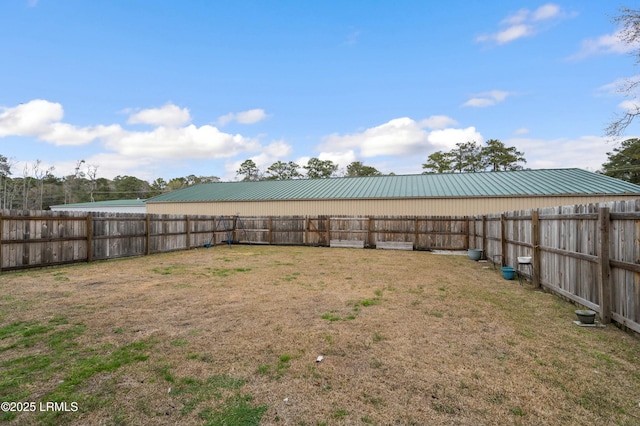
588,253
32,239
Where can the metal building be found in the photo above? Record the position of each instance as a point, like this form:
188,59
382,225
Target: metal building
110,206
453,194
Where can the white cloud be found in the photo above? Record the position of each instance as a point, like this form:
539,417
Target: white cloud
516,18
438,122
587,152
275,151
631,106
245,117
521,131
545,12
479,102
447,139
398,137
223,120
278,149
603,45
41,119
302,161
342,159
512,33
486,99
523,23
230,168
66,134
251,116
624,87
29,119
180,143
167,141
168,115
613,88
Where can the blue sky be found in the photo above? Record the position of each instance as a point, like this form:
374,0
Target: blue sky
169,88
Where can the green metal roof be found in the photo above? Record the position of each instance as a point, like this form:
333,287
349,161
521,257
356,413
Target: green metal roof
108,203
485,184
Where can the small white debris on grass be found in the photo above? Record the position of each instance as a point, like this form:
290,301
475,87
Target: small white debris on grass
320,358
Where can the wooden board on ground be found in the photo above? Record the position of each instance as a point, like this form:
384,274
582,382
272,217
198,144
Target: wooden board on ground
347,244
394,245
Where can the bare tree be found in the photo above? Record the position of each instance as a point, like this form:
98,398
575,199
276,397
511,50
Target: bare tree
629,22
40,175
26,181
72,181
92,173
5,172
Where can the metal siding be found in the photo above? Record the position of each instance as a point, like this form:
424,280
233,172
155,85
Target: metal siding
388,207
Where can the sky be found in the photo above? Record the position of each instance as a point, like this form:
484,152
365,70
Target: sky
171,88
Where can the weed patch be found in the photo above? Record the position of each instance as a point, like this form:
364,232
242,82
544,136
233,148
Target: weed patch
169,270
230,406
355,307
225,272
55,352
278,370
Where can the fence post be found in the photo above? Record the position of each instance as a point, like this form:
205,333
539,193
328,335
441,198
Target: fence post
148,235
503,239
305,236
89,235
416,238
188,232
535,241
328,231
468,222
233,230
269,226
484,236
604,271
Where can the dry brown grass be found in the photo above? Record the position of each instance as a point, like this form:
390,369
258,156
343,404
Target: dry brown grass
407,338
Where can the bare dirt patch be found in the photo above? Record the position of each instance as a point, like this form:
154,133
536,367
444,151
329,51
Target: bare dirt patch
407,338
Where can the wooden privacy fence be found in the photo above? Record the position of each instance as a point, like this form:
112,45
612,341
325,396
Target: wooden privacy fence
444,233
31,239
587,253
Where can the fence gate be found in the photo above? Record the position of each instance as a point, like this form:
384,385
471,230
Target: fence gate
317,231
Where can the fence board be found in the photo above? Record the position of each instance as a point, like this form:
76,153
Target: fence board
564,241
566,254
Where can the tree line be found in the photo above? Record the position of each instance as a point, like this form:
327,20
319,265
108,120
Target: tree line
314,169
464,158
37,188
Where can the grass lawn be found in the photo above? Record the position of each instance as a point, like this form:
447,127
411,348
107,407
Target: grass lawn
225,336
